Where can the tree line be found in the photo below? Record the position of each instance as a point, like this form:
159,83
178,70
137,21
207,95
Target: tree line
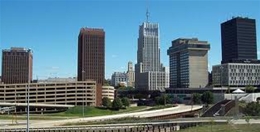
116,104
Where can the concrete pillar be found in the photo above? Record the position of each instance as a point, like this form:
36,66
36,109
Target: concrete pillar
222,111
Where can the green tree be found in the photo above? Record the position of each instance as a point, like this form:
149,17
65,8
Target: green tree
228,90
163,99
207,97
125,102
196,98
247,119
125,88
106,82
117,104
139,96
252,109
106,102
250,89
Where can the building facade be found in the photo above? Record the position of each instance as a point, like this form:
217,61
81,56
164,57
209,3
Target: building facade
130,75
188,63
91,57
66,93
17,65
236,74
238,38
118,78
149,74
108,91
167,77
57,79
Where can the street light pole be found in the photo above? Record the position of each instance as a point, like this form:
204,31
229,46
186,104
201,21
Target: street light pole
28,93
28,107
83,103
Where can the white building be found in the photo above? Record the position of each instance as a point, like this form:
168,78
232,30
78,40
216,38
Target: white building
167,77
108,91
119,78
236,74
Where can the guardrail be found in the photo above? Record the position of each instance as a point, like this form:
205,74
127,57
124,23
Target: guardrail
164,125
6,109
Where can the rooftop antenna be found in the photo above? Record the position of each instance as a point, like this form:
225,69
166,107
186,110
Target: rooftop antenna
147,13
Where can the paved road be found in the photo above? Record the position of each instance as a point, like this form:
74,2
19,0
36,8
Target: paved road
153,113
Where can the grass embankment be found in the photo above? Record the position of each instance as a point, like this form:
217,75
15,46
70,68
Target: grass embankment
75,112
224,128
93,111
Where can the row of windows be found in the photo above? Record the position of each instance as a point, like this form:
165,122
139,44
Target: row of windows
244,74
15,53
245,82
245,78
244,66
245,70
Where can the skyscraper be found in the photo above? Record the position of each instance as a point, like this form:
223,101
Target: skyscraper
148,52
188,63
149,74
240,66
130,74
17,65
91,58
238,37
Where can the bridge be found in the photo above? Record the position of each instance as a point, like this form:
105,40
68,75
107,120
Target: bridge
40,107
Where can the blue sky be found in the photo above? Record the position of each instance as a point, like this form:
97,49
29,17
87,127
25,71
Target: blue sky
50,28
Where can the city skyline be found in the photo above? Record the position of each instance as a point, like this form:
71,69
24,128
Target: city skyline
43,31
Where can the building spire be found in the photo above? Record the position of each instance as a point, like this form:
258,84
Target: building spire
147,15
147,12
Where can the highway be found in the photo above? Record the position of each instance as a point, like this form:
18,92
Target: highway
145,114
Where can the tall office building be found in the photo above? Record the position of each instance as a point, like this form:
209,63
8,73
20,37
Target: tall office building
148,52
149,74
188,63
240,66
91,58
130,75
17,65
238,37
